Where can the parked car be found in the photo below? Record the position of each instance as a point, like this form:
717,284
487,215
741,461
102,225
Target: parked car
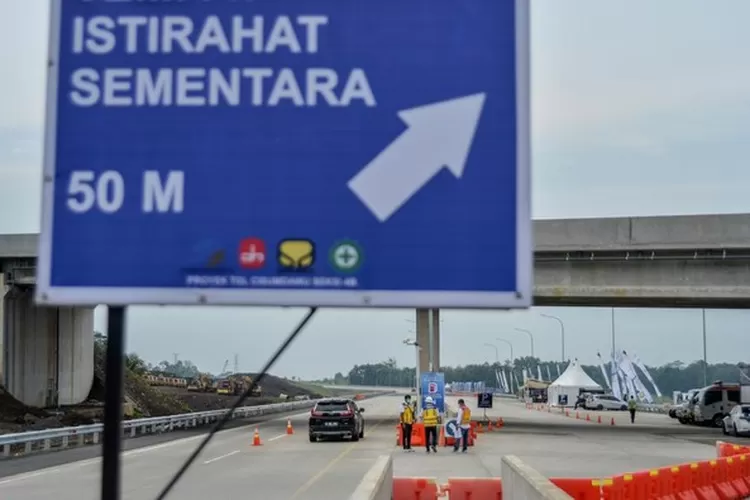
604,402
738,421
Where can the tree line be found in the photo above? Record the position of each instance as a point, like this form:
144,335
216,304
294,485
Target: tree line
180,368
674,376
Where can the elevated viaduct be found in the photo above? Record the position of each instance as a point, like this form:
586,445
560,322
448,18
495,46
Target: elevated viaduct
674,261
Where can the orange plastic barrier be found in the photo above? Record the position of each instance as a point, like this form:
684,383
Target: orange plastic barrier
417,435
736,475
474,488
586,489
415,488
728,449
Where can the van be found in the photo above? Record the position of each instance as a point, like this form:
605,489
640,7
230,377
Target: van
714,402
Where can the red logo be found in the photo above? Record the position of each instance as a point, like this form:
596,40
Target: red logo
252,253
432,388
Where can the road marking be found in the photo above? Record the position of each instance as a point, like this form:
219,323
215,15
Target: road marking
216,459
138,451
302,489
277,437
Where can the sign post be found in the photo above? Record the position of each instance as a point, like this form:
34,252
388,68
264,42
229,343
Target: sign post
340,154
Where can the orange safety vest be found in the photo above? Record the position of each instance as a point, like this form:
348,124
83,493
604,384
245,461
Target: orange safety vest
466,416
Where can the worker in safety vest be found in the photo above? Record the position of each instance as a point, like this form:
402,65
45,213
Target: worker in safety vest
430,420
632,407
407,417
464,423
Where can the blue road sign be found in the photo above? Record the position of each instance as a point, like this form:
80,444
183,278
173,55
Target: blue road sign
359,153
433,385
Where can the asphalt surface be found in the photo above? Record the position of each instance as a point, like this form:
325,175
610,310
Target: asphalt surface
284,467
560,446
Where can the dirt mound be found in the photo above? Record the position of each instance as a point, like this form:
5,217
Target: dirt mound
274,386
148,401
206,401
16,416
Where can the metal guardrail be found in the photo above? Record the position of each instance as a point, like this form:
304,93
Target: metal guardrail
23,443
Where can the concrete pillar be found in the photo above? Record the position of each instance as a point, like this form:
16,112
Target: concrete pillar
75,354
424,340
2,328
48,351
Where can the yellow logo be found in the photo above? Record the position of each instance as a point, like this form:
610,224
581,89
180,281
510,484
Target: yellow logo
296,255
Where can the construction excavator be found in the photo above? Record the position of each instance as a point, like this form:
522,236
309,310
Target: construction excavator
202,383
235,385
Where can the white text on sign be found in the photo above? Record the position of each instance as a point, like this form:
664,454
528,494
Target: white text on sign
104,192
197,85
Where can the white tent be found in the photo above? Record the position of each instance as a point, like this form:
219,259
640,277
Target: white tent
572,381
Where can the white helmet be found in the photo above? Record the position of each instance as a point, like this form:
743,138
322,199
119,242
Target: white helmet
428,400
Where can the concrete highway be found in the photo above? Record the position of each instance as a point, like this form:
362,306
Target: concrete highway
290,467
559,446
285,467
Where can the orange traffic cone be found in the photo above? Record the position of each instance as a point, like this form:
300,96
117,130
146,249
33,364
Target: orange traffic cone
500,422
489,426
289,429
613,421
599,419
256,438
578,416
588,418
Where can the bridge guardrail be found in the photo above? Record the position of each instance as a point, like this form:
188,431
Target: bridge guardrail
23,443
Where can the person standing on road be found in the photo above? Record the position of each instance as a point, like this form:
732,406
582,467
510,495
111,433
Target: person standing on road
464,424
430,419
632,407
407,421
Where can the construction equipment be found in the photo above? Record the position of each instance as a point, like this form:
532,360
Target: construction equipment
235,385
202,383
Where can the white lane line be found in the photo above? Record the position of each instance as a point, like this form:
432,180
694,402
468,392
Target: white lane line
216,459
277,437
137,451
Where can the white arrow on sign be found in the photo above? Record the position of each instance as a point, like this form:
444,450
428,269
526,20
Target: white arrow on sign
439,135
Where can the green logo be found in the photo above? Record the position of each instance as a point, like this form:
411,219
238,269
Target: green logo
346,256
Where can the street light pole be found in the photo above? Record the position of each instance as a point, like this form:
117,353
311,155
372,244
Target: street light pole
531,338
613,333
497,353
512,357
562,331
705,356
418,377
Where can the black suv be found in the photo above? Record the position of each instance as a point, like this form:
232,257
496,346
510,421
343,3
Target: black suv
337,417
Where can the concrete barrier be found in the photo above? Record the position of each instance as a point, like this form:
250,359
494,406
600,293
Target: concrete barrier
521,482
378,482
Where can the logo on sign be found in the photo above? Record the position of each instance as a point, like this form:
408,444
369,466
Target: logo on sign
252,253
432,388
296,255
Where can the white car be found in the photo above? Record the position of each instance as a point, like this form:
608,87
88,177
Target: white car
738,420
605,402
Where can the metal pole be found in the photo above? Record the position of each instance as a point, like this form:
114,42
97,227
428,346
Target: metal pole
430,343
531,338
562,332
512,357
114,375
419,379
497,353
705,356
613,333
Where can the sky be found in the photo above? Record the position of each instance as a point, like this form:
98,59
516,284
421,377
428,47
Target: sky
639,108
